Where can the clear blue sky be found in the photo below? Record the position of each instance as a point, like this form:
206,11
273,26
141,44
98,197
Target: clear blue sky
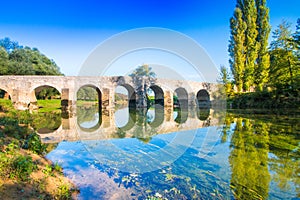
67,31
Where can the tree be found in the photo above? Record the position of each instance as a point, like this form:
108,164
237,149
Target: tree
284,69
261,73
143,70
3,61
21,60
236,47
251,44
224,78
249,59
9,45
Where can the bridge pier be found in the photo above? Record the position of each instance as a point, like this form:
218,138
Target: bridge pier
66,101
107,98
168,99
20,99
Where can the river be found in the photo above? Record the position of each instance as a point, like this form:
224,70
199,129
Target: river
163,154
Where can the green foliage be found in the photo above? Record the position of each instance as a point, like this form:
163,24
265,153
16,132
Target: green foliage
224,79
48,170
261,73
143,70
251,45
34,144
6,105
22,167
285,66
14,165
87,93
264,100
236,47
248,44
47,93
3,61
64,192
254,137
49,105
19,60
9,45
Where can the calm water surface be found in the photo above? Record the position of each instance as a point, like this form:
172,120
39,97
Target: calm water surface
156,154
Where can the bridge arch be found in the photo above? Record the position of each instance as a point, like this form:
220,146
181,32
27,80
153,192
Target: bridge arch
40,88
131,94
158,94
203,98
43,91
89,92
4,94
181,97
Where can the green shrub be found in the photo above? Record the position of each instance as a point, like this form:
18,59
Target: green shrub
64,192
22,167
34,144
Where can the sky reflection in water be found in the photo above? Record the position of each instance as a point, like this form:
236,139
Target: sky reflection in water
246,159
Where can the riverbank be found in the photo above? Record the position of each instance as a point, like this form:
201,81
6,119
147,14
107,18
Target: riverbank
263,100
24,171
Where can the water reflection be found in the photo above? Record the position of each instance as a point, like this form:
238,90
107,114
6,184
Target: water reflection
89,118
45,123
174,154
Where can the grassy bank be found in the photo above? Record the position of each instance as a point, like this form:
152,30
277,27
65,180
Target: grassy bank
24,171
49,105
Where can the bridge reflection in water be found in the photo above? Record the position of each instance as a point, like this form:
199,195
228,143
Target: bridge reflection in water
92,123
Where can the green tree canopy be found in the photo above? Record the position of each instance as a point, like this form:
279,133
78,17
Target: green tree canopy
285,68
143,70
19,60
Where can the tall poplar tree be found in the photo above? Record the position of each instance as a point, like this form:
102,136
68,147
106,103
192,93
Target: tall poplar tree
249,58
261,73
236,47
251,44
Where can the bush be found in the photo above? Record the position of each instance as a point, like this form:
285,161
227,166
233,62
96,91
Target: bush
34,144
22,167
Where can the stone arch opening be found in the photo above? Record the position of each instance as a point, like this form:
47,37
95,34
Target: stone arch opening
47,92
4,97
125,104
125,94
89,108
158,94
42,93
89,94
4,94
203,99
180,98
180,105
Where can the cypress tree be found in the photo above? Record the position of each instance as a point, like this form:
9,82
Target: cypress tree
261,73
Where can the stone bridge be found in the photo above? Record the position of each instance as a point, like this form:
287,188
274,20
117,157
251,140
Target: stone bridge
21,90
137,126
